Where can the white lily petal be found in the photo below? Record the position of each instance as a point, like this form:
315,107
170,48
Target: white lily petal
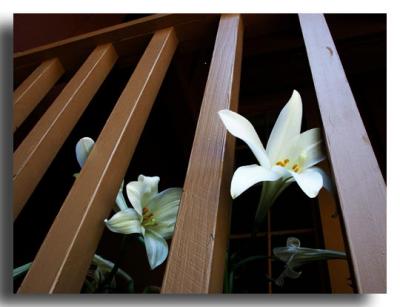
126,222
156,248
306,147
314,155
150,184
241,128
286,127
327,182
134,191
164,200
120,200
247,176
164,229
82,149
168,215
302,142
310,181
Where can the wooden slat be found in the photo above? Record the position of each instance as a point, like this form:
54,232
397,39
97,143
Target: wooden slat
331,226
360,186
197,254
63,259
34,88
36,152
339,274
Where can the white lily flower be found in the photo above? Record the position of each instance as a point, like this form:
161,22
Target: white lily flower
289,156
153,215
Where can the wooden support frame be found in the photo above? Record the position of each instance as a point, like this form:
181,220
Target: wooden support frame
73,47
34,155
64,258
34,88
197,254
360,185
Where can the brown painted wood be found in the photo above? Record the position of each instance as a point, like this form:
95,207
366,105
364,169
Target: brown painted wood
339,273
36,152
197,254
360,186
63,259
34,88
127,38
331,225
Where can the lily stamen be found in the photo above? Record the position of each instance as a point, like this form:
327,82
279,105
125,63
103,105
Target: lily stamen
282,163
296,168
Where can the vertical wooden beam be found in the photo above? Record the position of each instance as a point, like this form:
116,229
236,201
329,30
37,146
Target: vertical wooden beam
333,237
64,258
360,185
34,88
38,149
339,273
197,254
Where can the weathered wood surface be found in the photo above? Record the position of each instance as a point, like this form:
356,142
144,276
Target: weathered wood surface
34,88
197,254
64,257
360,185
36,152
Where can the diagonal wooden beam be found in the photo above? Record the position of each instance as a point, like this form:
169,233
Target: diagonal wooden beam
65,255
35,154
34,88
197,255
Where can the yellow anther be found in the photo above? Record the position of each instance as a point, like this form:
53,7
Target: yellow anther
282,163
296,168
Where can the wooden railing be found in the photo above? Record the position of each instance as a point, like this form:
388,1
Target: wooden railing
196,260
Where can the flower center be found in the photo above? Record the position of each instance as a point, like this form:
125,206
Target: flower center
295,167
148,218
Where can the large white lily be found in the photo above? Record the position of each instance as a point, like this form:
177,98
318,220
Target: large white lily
153,215
289,156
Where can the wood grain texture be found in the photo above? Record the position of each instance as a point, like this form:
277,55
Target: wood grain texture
197,254
27,96
360,186
34,155
64,258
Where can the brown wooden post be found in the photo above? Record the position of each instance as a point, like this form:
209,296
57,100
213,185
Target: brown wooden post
64,258
339,274
34,88
360,185
197,254
38,149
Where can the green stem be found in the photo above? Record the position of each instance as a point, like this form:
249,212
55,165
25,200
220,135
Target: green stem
270,192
